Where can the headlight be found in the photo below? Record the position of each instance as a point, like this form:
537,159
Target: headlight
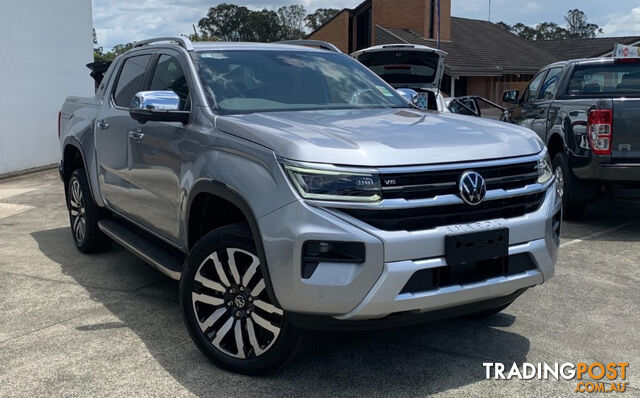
335,185
545,171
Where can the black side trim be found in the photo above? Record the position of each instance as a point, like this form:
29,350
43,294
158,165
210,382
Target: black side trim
399,319
224,192
74,142
163,257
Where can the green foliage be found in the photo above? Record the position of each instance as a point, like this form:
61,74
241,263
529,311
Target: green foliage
291,22
577,28
230,22
319,17
100,55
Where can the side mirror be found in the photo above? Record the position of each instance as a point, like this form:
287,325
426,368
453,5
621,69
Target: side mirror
511,96
157,106
412,97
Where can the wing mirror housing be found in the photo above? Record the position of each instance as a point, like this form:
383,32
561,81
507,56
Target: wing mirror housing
511,96
157,106
412,97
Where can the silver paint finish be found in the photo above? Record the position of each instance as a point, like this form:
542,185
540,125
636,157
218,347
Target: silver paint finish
152,182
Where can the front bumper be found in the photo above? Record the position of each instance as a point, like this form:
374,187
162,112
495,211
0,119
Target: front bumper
372,290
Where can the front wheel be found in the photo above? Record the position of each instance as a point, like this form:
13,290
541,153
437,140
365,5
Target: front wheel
566,188
226,307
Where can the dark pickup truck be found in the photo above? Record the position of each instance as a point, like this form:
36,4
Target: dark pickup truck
587,111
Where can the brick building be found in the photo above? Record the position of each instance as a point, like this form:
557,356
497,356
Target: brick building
482,59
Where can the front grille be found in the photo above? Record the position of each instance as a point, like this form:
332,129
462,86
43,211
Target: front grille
442,182
421,218
425,280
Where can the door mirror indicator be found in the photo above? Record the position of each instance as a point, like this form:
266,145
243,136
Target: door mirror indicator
157,106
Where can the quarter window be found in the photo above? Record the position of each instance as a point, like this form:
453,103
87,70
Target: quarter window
130,80
169,76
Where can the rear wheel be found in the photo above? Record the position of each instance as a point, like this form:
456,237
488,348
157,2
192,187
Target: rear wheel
566,188
227,309
84,215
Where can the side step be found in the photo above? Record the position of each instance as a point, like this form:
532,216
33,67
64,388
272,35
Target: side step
166,260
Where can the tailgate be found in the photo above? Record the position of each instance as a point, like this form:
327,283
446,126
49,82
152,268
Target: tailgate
626,130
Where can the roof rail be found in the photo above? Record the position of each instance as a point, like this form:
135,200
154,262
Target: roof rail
181,41
312,43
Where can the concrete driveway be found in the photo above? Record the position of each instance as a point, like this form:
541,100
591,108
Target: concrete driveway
109,325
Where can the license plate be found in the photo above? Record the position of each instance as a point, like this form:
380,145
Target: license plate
476,246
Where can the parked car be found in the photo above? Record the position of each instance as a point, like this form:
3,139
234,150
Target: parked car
289,188
474,105
414,70
587,111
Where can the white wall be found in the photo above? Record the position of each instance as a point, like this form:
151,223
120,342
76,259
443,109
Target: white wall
44,47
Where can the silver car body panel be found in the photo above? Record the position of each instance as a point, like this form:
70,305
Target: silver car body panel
244,155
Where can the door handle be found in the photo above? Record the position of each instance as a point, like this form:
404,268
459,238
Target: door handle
103,125
137,135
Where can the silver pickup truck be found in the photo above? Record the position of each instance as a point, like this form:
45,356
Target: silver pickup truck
290,187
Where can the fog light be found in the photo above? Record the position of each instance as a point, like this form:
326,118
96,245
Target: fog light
315,252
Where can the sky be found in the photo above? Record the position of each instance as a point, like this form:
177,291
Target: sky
122,21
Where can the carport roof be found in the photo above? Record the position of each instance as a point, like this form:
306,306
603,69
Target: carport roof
477,48
583,48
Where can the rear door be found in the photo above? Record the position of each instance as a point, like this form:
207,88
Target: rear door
111,132
155,163
626,130
405,66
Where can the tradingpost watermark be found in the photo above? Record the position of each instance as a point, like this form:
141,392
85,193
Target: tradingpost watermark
591,377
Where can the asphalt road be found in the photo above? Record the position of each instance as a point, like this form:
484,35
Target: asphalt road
109,325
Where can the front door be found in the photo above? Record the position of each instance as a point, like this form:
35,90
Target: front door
112,130
527,111
155,164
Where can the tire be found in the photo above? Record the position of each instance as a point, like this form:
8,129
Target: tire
488,313
226,307
84,215
571,208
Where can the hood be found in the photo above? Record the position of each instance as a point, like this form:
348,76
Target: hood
381,137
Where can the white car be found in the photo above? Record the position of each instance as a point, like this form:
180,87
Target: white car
414,70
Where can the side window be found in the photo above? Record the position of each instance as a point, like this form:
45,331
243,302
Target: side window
531,91
169,76
550,85
130,80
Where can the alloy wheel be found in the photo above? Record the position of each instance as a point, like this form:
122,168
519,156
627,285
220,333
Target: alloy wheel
78,211
232,307
559,181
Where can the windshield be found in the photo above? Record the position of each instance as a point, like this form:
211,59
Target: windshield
588,80
402,67
246,81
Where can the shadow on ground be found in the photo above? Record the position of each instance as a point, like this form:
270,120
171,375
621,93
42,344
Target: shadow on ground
415,360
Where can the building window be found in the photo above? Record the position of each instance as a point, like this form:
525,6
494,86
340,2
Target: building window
363,29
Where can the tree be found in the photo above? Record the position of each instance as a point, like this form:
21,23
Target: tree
263,26
292,22
226,21
100,55
578,27
524,31
319,17
504,26
550,31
